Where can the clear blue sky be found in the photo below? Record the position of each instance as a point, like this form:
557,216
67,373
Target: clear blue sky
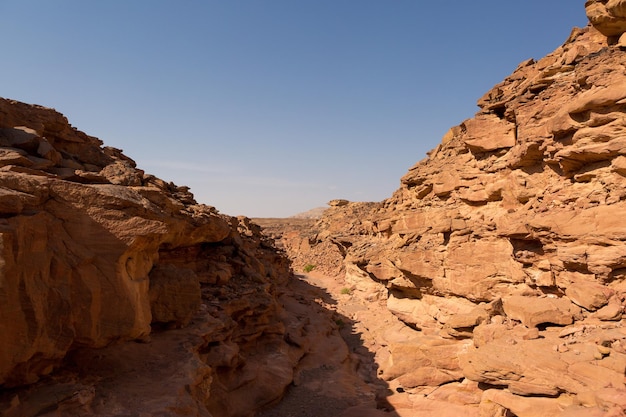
272,107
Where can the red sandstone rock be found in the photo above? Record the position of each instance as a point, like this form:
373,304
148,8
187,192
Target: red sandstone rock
516,217
503,252
532,311
94,252
607,16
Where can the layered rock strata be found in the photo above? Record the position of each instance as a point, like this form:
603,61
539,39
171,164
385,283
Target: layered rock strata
94,253
505,249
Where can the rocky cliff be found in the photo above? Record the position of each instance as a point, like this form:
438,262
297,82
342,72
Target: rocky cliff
119,295
505,249
492,282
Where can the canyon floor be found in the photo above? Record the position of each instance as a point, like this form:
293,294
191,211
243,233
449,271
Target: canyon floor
337,376
330,385
492,283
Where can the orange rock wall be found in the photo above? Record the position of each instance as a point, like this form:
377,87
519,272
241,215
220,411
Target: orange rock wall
94,251
511,236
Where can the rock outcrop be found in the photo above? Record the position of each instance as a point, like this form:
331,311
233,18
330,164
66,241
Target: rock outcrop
505,249
119,294
492,282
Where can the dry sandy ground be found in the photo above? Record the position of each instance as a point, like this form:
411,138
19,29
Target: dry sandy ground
339,377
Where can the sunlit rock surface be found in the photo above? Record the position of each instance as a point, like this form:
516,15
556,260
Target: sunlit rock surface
505,248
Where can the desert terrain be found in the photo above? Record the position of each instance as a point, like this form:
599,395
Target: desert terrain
491,283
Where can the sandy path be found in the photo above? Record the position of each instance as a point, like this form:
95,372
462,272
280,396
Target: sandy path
339,375
336,377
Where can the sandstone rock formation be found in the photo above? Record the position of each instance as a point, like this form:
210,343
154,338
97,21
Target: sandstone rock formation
492,282
119,295
505,249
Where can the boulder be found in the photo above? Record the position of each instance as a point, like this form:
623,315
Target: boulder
608,17
533,311
488,133
525,406
589,295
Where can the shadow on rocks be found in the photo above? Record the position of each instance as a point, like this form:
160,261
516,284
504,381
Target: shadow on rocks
337,375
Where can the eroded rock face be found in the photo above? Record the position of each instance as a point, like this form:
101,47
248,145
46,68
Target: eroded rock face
607,16
78,238
511,234
94,251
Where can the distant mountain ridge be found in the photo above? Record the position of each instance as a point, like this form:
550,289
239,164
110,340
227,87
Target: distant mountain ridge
314,213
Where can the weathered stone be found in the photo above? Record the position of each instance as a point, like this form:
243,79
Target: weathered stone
424,352
94,252
507,364
619,165
338,203
472,319
523,203
14,157
432,311
532,311
589,295
122,173
528,407
607,16
479,270
613,311
174,294
488,133
428,376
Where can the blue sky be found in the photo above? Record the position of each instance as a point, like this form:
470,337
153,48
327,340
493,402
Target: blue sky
268,108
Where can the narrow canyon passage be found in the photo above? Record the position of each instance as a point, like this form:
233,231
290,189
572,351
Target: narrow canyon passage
339,376
491,283
159,377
